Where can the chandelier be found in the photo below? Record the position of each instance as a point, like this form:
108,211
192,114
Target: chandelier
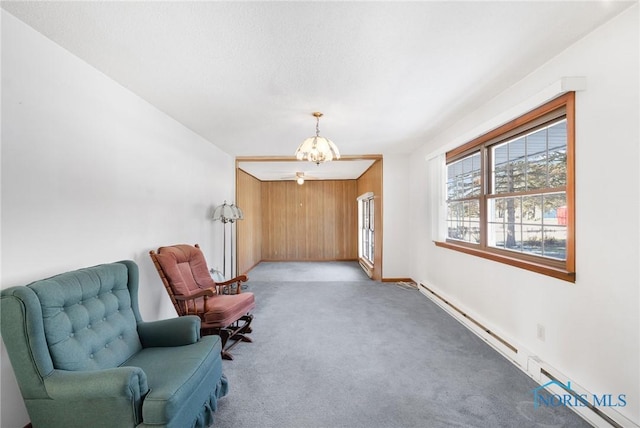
317,149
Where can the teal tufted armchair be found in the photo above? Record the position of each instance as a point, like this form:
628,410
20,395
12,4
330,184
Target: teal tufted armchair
83,357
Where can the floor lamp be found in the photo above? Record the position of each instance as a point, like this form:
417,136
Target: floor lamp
226,213
238,215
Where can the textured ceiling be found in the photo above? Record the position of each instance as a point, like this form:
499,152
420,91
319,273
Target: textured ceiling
247,75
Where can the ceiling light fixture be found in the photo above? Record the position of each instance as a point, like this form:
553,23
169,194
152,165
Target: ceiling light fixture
317,149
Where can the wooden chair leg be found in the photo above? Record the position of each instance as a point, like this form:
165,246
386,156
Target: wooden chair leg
224,337
232,335
243,329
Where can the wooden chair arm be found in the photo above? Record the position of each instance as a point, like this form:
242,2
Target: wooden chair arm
208,292
187,303
240,278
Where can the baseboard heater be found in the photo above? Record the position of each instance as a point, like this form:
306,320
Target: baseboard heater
583,402
464,314
366,268
538,371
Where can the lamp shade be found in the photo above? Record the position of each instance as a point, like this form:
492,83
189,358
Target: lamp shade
223,212
237,212
317,149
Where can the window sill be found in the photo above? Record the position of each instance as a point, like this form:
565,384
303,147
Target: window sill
532,266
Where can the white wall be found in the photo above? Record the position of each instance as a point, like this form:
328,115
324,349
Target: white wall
91,174
592,326
395,200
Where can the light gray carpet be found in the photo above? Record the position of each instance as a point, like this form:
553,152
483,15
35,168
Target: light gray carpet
331,352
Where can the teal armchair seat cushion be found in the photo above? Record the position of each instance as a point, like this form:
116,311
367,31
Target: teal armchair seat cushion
175,396
83,356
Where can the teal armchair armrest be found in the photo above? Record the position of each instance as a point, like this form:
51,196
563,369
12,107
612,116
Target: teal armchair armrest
170,332
98,398
130,382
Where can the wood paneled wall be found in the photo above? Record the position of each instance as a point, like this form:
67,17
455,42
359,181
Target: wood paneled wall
313,221
371,181
249,230
316,221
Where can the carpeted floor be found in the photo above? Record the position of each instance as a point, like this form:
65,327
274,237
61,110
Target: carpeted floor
335,349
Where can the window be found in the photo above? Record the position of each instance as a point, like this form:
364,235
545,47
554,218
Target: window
463,199
366,227
509,193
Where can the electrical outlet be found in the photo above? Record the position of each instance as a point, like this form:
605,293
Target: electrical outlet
541,332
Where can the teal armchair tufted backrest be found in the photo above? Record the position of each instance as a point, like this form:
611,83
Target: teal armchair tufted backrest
90,317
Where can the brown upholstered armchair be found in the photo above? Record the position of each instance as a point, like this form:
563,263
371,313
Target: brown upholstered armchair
223,308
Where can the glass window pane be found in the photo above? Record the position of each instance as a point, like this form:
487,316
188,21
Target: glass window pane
535,161
464,178
514,237
452,189
454,170
555,208
532,209
500,155
516,170
453,210
555,242
463,221
467,165
508,212
496,235
497,210
473,232
477,183
455,220
509,166
472,210
557,135
500,179
467,185
366,234
536,166
557,142
532,240
557,165
537,145
512,223
537,175
499,160
531,224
